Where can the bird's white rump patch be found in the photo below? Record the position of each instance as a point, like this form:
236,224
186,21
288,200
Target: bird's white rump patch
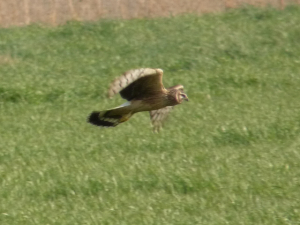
125,104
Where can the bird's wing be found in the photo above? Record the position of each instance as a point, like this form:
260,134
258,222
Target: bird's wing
138,83
158,116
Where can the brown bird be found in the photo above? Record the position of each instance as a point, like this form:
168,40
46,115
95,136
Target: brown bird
144,91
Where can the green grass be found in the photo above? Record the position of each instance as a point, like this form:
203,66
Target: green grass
229,156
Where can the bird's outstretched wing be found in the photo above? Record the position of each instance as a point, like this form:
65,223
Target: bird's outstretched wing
158,116
137,83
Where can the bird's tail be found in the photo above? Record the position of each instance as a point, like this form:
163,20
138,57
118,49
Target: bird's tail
111,117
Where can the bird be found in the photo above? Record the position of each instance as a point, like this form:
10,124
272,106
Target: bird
144,91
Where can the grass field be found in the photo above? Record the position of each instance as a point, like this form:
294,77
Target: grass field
231,155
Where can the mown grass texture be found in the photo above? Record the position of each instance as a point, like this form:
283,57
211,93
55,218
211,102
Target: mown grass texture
228,156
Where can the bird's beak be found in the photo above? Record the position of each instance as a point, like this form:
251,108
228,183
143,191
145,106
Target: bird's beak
186,97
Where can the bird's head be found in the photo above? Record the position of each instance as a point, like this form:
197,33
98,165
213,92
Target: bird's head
179,93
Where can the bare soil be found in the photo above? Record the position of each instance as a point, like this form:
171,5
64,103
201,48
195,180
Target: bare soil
55,12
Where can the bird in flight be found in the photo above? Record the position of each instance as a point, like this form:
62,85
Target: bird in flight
144,91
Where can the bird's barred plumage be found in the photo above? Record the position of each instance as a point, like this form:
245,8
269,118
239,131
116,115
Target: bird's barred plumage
96,119
159,116
144,90
152,80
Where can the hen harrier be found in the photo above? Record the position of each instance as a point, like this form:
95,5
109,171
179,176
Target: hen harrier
144,91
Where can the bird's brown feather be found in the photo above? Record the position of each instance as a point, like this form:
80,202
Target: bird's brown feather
138,83
144,90
159,116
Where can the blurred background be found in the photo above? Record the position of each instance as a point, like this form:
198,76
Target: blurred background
22,12
228,156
